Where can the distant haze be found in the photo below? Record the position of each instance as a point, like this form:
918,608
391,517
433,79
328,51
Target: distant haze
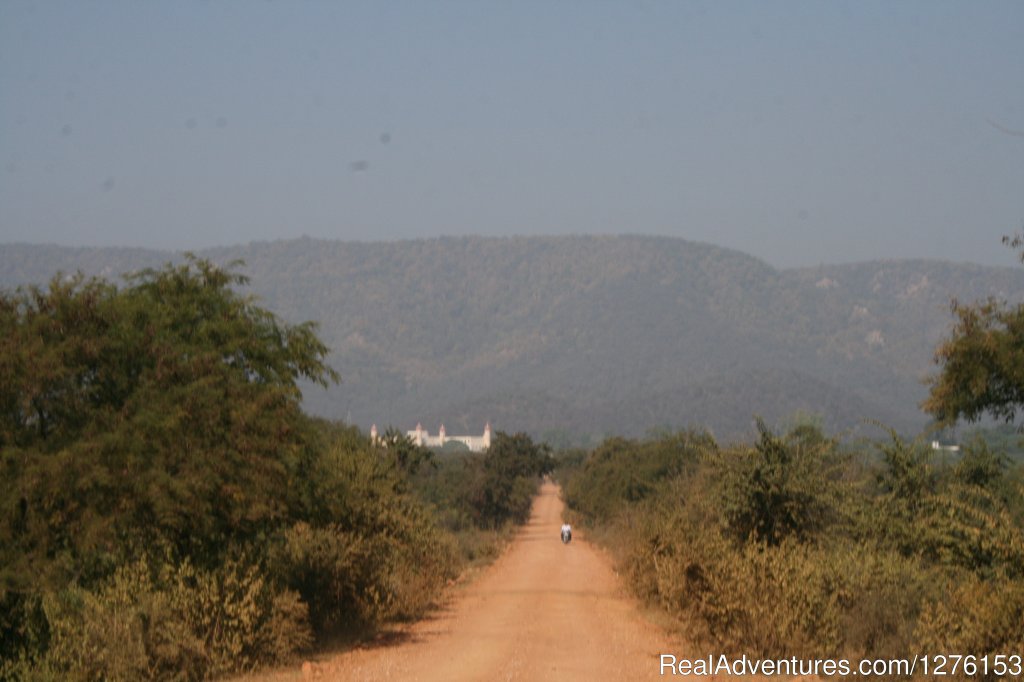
575,337
799,132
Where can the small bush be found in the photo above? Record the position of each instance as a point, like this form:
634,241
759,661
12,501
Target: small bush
352,579
173,623
760,599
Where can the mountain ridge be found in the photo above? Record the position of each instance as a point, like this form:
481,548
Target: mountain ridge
574,336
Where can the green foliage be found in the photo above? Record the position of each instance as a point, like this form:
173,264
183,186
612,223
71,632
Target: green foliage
780,488
163,419
981,466
404,453
506,480
448,489
906,482
782,599
984,617
369,550
155,620
167,412
967,526
982,361
981,364
620,472
908,476
958,517
789,547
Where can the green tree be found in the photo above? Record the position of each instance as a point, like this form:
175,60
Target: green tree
161,416
403,451
981,466
507,478
780,488
166,509
621,472
982,361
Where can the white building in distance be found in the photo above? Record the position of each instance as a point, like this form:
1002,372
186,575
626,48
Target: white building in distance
422,437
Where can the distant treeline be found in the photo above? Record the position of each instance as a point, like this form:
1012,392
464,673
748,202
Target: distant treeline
795,546
167,511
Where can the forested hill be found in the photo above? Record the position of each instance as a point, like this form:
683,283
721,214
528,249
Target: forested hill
591,335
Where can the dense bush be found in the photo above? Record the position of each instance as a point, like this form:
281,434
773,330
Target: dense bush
369,550
182,623
163,412
506,479
621,472
983,617
161,419
156,620
448,487
791,547
780,488
166,509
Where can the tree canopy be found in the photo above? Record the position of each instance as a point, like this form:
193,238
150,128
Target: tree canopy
165,412
982,361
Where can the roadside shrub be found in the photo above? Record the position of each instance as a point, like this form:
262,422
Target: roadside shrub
369,550
792,548
759,599
621,472
242,618
338,574
505,480
24,633
422,563
976,616
355,580
180,624
882,595
777,600
979,465
969,527
477,545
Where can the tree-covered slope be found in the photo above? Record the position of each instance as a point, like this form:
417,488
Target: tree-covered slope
592,335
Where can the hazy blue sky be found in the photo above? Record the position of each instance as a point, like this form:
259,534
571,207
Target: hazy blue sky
800,132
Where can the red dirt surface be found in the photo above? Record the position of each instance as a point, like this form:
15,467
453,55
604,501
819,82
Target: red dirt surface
543,611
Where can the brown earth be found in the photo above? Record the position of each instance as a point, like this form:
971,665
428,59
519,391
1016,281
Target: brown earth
543,611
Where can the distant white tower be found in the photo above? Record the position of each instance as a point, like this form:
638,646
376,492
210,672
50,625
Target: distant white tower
373,434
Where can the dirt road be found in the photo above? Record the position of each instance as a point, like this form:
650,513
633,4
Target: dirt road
543,611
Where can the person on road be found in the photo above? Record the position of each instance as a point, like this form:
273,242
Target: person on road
566,533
